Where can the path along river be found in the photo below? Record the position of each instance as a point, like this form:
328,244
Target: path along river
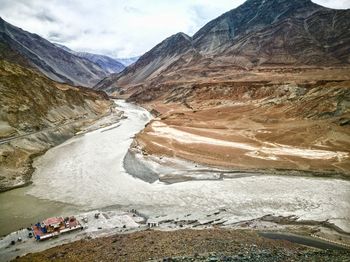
86,173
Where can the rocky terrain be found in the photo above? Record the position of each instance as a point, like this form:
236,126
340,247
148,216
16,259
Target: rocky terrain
260,126
258,88
36,114
53,61
185,245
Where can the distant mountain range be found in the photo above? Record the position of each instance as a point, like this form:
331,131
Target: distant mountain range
128,61
256,34
56,61
108,64
114,63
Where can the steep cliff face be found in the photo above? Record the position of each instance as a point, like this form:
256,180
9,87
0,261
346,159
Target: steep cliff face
55,62
37,113
259,33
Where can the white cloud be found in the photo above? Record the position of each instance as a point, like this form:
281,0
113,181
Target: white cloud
117,27
337,4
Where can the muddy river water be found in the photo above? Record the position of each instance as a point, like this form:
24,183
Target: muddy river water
87,173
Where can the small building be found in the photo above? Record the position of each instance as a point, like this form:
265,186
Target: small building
55,226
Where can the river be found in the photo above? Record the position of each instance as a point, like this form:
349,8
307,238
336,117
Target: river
87,173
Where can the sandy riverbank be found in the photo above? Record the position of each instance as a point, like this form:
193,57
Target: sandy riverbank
249,126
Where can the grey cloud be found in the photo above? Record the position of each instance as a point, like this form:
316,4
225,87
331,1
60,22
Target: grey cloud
11,4
200,12
87,31
46,16
60,37
107,32
131,9
6,4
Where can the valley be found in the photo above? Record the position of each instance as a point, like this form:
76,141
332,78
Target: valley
97,182
237,134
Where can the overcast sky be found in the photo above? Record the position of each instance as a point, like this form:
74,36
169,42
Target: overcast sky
119,28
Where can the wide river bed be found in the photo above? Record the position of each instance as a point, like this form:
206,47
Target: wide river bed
86,173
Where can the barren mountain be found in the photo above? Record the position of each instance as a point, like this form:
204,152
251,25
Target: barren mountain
151,64
258,33
55,62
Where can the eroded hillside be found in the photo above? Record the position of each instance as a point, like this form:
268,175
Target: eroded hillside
36,114
253,125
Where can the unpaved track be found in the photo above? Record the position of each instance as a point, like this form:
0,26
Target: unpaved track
303,240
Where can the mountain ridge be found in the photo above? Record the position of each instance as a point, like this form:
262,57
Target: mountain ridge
257,33
108,64
55,62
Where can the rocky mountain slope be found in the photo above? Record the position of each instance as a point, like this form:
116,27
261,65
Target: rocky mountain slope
258,33
36,114
152,63
55,62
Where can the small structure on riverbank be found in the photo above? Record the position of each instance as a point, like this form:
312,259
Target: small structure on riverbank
55,226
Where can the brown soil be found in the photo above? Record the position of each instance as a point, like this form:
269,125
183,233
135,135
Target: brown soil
156,245
307,111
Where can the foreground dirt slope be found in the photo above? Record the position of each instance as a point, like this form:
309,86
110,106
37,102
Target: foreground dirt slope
184,245
37,113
